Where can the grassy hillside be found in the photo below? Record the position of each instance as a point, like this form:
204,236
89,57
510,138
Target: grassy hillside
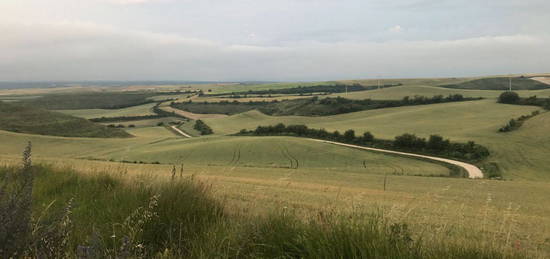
139,110
221,153
151,132
276,152
25,119
75,101
429,204
520,154
500,83
148,218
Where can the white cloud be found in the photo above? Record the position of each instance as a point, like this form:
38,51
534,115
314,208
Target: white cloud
88,51
131,2
395,29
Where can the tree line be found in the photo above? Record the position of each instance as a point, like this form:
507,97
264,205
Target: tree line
513,98
129,118
515,124
434,145
331,88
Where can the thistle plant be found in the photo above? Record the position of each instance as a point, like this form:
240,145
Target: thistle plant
15,209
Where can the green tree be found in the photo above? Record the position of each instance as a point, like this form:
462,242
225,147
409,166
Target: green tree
368,137
508,97
436,142
349,135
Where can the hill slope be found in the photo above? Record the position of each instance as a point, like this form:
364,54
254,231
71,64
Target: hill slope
500,83
520,154
21,118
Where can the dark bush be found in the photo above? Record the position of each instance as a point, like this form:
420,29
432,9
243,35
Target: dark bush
409,141
367,137
436,142
508,98
203,128
349,135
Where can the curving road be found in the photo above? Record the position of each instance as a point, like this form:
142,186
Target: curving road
473,171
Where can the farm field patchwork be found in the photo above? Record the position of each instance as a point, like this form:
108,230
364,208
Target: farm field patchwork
258,175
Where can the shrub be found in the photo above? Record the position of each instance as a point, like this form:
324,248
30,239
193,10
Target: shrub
367,137
508,98
349,135
437,143
409,141
203,128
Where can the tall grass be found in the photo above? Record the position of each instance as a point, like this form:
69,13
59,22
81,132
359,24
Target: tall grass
108,215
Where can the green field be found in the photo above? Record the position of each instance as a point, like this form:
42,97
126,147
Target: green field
159,145
474,120
140,110
252,175
151,132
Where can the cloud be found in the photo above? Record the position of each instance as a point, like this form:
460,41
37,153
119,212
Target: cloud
132,2
88,51
395,29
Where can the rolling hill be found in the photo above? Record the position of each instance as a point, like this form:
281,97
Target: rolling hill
25,119
521,154
500,83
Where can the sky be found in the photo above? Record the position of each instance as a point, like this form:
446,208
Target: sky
270,40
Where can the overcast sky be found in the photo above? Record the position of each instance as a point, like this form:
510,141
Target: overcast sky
281,40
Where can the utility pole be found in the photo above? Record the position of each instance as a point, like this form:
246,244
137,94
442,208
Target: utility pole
510,85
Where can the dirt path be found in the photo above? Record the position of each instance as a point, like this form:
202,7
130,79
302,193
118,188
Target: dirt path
181,132
473,171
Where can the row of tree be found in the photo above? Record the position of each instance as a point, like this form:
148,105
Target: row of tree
128,118
435,145
120,126
514,98
515,124
332,88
